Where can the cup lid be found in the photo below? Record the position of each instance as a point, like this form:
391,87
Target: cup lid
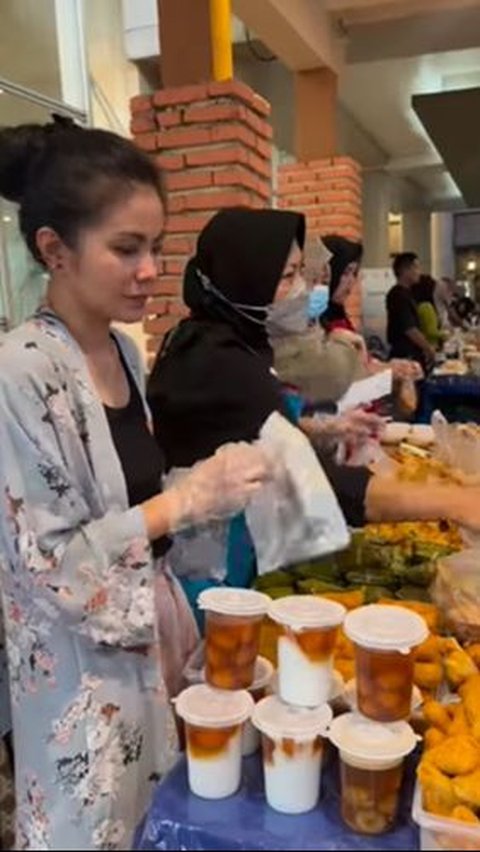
212,708
386,628
303,612
372,742
264,672
235,602
282,721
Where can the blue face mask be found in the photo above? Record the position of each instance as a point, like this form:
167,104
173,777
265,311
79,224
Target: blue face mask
318,301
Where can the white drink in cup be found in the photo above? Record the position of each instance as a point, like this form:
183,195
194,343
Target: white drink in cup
214,723
293,740
305,647
385,639
264,671
234,618
372,757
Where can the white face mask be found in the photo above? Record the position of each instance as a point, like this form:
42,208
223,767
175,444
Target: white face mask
290,315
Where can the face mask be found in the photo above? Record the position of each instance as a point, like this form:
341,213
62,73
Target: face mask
289,316
318,301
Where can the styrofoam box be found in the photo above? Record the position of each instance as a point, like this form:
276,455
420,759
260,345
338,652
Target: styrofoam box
442,833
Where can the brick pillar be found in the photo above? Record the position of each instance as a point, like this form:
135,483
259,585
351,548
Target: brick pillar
329,193
213,143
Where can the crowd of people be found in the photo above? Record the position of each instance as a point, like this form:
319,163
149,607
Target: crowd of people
97,484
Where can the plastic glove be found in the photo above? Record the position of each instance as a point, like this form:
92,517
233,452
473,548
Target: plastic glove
403,369
353,428
220,487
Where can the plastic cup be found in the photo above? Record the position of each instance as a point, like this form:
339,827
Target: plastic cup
305,648
293,745
372,757
213,722
264,671
385,638
234,619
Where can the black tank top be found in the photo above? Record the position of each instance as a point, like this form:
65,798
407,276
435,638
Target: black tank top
140,456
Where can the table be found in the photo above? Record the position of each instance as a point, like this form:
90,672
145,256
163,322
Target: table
457,397
177,820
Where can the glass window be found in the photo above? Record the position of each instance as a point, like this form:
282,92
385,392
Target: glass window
28,45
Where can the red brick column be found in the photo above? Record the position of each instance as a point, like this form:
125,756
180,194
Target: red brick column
329,193
213,143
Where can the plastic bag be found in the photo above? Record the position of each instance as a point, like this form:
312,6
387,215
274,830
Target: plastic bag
456,592
406,398
296,516
458,446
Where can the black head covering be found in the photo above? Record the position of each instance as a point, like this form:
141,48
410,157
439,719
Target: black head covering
212,383
424,291
344,252
242,253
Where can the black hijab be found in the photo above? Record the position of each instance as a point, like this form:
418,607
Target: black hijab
212,382
424,291
344,252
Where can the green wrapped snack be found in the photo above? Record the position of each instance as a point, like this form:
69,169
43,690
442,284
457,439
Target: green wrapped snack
280,592
273,580
317,587
376,593
327,571
372,577
413,593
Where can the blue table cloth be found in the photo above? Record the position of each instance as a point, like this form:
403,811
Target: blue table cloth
178,820
458,397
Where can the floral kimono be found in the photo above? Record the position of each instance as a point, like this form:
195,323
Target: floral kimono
91,717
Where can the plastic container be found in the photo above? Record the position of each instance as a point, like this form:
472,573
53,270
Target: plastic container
371,766
214,722
350,695
442,832
385,638
264,672
293,742
234,619
305,648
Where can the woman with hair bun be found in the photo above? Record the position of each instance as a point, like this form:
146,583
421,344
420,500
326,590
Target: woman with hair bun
97,629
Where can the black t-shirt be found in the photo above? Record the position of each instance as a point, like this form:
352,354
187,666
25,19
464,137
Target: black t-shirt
139,453
402,317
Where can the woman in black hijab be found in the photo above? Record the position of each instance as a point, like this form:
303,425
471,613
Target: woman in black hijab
344,266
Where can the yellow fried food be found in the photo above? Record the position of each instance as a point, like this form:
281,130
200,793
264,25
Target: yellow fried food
430,651
470,694
433,737
437,790
458,668
467,789
456,756
437,715
345,667
350,600
459,724
473,651
344,646
465,814
428,675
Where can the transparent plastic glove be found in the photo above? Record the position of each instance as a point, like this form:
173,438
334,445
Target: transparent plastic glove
403,369
220,487
353,428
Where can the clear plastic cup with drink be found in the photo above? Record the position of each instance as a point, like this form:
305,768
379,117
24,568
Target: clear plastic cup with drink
372,758
309,629
214,723
234,619
385,639
293,743
264,672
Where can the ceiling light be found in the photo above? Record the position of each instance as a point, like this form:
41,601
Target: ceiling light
6,219
472,265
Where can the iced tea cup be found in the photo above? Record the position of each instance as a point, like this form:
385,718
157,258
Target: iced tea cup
372,757
234,619
214,722
264,671
293,742
309,628
385,639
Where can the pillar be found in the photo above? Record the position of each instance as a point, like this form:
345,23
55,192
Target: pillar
214,144
376,211
443,251
329,193
316,93
417,236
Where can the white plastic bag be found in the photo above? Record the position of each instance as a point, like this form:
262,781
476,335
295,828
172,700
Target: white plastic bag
296,516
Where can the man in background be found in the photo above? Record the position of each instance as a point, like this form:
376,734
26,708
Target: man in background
403,327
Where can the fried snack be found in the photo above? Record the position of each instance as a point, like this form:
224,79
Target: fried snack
473,651
459,724
428,675
456,756
430,651
433,737
437,715
464,814
459,667
470,694
467,789
438,794
345,667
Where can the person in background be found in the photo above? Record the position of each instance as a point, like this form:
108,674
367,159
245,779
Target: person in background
344,268
424,295
213,381
404,335
97,628
445,293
